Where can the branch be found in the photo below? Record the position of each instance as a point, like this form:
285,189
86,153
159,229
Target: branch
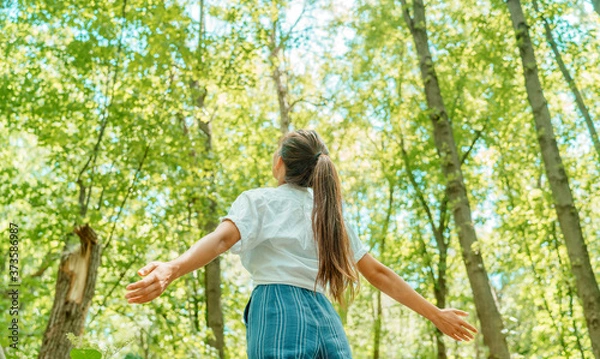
443,213
103,122
287,36
112,289
477,136
414,183
133,182
303,99
427,258
46,263
406,14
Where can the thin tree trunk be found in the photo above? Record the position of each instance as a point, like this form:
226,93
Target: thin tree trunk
487,311
75,288
571,82
521,242
440,289
568,216
212,271
570,295
280,87
212,288
377,326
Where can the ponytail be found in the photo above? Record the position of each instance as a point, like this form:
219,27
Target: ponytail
336,262
307,164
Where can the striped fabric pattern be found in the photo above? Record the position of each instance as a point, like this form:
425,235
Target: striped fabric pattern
285,321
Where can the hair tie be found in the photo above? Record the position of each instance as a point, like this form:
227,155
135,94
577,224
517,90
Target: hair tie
317,155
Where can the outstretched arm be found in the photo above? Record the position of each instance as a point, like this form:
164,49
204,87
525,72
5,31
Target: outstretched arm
384,279
159,275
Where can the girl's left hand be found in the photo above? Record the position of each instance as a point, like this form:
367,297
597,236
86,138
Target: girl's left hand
449,321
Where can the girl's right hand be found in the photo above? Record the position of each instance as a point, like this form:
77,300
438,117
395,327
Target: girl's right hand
449,322
158,277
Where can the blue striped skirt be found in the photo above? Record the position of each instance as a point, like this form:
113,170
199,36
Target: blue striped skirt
284,321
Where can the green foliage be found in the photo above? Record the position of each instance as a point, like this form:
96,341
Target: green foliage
85,354
86,348
128,90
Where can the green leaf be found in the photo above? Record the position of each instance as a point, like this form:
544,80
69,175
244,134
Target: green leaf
85,354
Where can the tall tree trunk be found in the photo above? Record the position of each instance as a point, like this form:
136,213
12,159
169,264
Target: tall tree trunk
487,311
377,326
568,216
212,290
440,289
75,288
571,82
212,271
280,87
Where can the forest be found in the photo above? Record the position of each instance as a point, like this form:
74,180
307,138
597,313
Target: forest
465,134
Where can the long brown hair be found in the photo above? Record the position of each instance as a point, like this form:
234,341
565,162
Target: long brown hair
307,164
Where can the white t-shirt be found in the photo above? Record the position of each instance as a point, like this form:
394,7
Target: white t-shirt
276,244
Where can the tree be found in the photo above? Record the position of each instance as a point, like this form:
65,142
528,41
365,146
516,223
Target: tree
585,113
568,216
487,311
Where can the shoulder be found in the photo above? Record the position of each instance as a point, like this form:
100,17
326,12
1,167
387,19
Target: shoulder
257,192
281,196
258,196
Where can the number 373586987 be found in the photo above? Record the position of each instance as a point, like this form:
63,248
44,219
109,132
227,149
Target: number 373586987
13,252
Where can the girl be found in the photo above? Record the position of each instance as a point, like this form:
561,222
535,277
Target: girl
296,245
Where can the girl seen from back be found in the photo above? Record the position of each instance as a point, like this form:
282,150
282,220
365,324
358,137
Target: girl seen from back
295,243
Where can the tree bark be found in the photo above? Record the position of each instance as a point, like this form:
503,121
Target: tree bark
596,4
212,290
212,271
568,216
377,326
75,288
440,290
487,311
280,87
571,82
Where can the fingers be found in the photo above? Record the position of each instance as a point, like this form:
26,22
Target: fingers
457,328
461,336
455,337
464,324
151,287
140,284
148,268
148,288
466,335
144,298
469,326
460,312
